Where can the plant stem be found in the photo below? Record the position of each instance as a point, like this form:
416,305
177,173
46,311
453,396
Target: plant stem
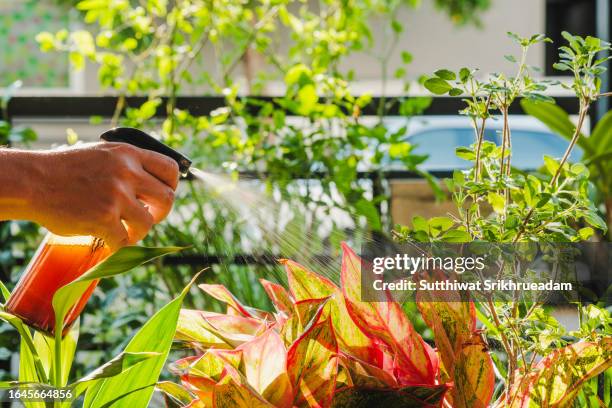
582,115
504,111
118,109
480,139
58,383
505,342
584,109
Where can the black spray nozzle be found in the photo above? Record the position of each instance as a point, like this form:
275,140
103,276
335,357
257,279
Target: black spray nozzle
143,140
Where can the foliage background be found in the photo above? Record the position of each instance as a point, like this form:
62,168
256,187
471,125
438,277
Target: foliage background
152,48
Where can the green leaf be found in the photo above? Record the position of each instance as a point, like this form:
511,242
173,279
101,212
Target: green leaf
599,159
368,210
464,75
29,359
497,201
578,169
585,233
406,57
556,379
398,150
543,199
439,224
601,138
154,337
119,364
77,60
396,26
307,98
6,294
178,393
28,371
551,165
92,4
46,41
465,153
446,74
437,86
45,347
122,261
560,66
147,110
420,224
595,220
456,235
455,92
299,73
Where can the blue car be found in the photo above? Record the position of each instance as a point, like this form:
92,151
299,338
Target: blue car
440,138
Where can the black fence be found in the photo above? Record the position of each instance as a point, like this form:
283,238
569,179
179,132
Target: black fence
85,106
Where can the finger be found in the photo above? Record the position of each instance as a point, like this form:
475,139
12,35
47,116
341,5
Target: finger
115,235
162,167
157,196
137,220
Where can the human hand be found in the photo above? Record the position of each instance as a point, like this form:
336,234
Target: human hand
113,191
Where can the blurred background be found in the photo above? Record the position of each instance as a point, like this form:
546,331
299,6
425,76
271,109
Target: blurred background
309,117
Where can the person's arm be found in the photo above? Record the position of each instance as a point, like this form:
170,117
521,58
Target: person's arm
113,191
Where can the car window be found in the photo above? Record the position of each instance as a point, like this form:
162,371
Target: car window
528,147
440,145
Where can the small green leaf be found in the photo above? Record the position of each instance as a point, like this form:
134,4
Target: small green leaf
299,73
585,233
551,165
446,74
397,26
420,224
455,92
578,169
6,294
560,66
368,210
497,201
458,236
71,136
119,364
307,98
437,86
465,153
595,220
439,224
543,199
177,392
406,57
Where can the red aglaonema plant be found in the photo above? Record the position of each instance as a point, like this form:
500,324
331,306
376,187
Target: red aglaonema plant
324,347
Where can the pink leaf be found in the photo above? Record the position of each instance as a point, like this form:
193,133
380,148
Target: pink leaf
415,361
312,364
265,367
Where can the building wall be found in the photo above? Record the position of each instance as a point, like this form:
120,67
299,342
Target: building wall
434,41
